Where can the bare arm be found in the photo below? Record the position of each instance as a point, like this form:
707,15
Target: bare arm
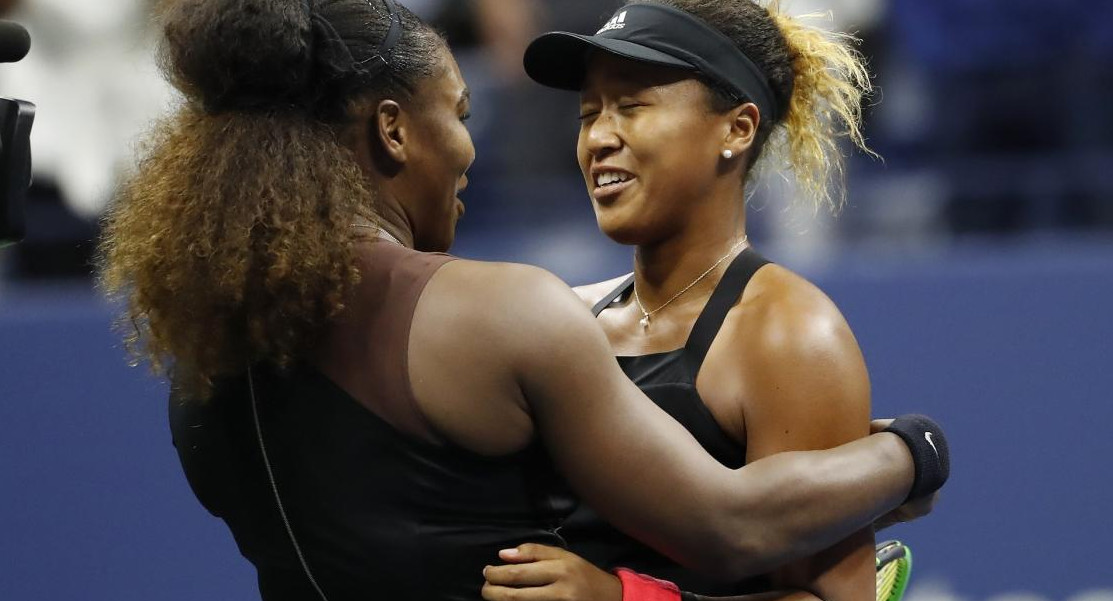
790,369
805,387
646,474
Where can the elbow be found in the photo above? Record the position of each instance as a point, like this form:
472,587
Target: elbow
738,547
764,528
756,552
737,559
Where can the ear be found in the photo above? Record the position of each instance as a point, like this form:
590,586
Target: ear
745,120
389,127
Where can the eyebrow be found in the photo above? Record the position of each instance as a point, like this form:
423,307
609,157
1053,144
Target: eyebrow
465,97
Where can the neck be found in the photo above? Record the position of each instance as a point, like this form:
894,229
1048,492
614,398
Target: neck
393,220
664,267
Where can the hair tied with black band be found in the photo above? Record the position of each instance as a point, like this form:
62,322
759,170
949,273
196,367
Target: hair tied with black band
332,60
332,57
331,67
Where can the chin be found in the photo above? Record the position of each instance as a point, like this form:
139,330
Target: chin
618,226
624,233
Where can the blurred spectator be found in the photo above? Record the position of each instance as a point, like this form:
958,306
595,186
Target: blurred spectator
92,74
525,134
528,128
994,116
1017,116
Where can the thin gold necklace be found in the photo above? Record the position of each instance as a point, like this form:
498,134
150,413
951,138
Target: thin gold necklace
646,314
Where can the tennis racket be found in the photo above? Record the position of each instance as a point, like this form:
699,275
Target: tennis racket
894,566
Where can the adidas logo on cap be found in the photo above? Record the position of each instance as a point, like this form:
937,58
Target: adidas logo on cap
617,22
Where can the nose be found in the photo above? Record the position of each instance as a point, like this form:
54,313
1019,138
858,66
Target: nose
602,136
462,184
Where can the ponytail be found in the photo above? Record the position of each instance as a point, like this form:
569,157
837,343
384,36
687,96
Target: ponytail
830,84
231,243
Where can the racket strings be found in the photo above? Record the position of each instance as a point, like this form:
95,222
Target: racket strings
893,572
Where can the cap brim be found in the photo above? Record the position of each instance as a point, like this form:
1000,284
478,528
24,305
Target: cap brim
559,59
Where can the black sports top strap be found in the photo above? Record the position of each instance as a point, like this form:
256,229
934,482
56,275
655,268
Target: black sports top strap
610,298
726,294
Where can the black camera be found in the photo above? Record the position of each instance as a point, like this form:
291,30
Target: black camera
16,117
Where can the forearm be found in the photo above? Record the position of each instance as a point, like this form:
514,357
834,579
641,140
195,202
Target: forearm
805,502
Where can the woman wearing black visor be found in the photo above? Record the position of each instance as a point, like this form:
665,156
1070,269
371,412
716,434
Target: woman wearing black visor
680,100
371,418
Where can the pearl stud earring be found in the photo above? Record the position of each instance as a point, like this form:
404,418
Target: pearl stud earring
728,154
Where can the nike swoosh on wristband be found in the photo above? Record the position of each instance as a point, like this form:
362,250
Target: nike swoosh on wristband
927,436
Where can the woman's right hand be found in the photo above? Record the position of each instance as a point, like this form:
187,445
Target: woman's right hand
910,511
541,573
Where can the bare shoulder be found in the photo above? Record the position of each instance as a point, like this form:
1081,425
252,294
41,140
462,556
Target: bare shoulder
518,322
593,293
803,380
794,351
497,299
791,318
478,332
501,283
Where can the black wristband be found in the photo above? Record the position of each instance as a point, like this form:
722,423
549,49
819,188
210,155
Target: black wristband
930,453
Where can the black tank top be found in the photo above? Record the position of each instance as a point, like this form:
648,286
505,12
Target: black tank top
669,379
378,512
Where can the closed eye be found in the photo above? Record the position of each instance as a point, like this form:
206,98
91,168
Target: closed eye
629,106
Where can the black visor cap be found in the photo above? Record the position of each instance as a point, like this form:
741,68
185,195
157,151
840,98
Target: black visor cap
653,34
559,59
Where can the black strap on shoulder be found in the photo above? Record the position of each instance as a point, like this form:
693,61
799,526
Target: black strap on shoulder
726,294
606,301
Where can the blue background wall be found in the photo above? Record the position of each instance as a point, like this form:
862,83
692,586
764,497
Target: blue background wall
1009,346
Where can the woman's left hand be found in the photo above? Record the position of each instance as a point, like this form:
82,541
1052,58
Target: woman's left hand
543,573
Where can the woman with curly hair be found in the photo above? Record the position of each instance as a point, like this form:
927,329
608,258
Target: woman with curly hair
680,102
373,419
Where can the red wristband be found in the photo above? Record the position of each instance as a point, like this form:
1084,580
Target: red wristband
639,587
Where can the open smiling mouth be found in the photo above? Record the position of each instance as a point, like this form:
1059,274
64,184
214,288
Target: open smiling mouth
610,184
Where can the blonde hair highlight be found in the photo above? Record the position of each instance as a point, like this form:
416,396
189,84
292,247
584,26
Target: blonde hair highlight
831,82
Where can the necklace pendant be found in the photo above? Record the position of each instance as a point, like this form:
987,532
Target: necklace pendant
645,322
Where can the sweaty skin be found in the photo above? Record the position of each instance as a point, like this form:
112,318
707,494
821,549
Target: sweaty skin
785,372
519,345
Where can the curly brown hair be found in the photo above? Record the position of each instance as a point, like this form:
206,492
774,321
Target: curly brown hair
231,243
819,80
